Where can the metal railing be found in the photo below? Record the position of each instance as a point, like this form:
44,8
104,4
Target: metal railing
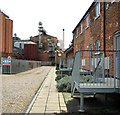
96,68
66,63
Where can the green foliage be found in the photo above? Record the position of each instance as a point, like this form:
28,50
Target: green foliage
64,84
86,79
53,63
57,72
59,77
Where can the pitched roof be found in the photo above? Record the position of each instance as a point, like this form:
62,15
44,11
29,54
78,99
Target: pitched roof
84,16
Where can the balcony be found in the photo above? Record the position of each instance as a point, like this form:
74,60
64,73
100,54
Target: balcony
51,49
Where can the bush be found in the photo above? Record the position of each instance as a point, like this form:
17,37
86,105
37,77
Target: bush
64,84
86,79
53,63
59,77
57,72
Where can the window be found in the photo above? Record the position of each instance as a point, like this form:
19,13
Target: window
87,21
81,28
97,9
107,6
77,32
98,45
20,45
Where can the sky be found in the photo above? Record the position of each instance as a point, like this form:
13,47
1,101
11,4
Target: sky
54,14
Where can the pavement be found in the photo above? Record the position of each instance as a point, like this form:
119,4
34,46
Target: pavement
48,99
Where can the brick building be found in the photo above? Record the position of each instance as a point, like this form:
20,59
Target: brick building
6,32
97,27
69,55
48,46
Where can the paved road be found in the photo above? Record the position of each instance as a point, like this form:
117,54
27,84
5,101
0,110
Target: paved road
18,89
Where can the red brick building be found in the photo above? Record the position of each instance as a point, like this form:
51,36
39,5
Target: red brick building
69,54
6,32
97,27
49,45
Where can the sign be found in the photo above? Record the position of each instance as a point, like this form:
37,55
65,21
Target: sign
7,61
9,58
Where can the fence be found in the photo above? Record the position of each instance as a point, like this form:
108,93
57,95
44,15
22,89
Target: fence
17,66
66,63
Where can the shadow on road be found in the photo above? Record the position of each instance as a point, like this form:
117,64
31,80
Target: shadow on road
101,104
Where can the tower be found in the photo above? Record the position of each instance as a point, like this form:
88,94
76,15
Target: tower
63,38
40,29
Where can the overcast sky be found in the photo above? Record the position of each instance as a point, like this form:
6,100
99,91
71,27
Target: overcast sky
54,14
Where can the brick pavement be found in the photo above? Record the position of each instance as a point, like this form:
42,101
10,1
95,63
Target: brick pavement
48,99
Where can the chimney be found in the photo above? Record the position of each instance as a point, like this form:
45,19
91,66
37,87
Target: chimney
63,38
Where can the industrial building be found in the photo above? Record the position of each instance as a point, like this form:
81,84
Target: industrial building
6,32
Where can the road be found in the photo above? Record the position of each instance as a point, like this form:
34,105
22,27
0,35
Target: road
18,89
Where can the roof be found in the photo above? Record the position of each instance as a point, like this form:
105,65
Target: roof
46,35
59,51
84,16
30,42
69,49
4,13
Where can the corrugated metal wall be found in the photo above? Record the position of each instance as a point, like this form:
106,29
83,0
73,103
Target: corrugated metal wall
18,66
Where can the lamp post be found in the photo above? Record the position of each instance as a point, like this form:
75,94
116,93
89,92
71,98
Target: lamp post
60,61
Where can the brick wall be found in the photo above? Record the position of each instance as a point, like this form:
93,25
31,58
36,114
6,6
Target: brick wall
95,31
112,18
43,56
92,33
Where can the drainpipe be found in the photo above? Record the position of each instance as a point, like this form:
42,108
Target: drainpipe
104,28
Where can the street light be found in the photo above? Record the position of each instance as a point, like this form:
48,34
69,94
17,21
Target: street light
60,62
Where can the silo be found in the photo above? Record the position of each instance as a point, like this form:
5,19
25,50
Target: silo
30,51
